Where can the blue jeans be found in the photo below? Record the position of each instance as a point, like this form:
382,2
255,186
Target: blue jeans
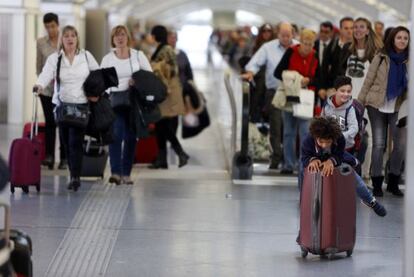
361,189
122,150
291,125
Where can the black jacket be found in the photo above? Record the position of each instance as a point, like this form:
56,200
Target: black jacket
311,151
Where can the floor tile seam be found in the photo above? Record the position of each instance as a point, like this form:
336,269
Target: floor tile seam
207,232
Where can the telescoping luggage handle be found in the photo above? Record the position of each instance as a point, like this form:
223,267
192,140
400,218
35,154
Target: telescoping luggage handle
34,126
8,245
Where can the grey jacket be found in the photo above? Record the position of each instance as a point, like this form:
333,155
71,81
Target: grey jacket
349,124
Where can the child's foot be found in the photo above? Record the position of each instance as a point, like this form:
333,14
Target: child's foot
377,207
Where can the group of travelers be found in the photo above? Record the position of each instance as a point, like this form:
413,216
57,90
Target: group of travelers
63,67
357,74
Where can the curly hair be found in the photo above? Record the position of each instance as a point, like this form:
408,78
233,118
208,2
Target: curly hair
325,128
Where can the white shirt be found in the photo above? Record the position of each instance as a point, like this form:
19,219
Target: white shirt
389,105
72,76
357,82
269,54
125,67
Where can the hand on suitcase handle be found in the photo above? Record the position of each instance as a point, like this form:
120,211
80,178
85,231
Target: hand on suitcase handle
314,166
37,89
327,168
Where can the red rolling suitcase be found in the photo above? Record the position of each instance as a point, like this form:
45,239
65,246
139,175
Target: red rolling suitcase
328,213
24,158
40,137
146,150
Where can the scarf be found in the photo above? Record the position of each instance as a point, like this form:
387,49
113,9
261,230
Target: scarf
397,75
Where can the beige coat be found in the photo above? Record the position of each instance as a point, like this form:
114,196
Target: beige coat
165,67
374,89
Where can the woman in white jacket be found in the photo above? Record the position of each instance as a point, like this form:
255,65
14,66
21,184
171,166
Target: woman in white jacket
73,68
126,61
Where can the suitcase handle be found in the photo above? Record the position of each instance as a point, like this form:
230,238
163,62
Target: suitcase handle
34,126
6,208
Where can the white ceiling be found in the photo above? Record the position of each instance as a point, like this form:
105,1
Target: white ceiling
303,12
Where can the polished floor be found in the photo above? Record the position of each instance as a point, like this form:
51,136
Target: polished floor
191,221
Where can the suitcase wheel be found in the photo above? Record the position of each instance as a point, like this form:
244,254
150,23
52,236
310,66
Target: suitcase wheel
38,187
304,252
25,189
349,253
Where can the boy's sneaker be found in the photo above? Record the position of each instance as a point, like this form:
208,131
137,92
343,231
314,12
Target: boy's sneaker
377,207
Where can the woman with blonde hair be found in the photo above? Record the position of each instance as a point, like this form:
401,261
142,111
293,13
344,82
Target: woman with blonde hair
300,58
126,61
69,67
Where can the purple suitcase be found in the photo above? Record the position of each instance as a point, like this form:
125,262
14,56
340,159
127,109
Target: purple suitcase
24,158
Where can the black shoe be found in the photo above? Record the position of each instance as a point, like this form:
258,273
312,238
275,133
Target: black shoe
274,165
158,165
182,159
63,164
392,186
116,179
49,162
286,172
377,184
74,184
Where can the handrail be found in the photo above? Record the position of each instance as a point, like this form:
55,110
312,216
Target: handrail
233,107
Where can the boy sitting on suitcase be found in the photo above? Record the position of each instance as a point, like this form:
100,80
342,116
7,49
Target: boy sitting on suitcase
324,149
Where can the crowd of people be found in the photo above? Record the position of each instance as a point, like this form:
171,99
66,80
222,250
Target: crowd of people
63,67
357,73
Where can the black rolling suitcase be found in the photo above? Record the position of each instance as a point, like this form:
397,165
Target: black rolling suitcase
95,157
21,256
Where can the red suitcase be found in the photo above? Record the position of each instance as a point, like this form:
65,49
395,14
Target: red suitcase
24,158
40,137
146,150
328,213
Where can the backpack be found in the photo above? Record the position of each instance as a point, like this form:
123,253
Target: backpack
362,122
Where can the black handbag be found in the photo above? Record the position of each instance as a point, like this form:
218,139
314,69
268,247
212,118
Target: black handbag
120,100
73,115
70,114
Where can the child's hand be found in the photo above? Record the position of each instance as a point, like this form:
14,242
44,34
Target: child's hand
314,166
327,168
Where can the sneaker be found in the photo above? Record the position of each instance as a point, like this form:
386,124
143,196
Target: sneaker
127,180
115,179
377,207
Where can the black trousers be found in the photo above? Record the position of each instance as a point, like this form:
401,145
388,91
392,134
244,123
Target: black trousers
72,139
166,131
50,132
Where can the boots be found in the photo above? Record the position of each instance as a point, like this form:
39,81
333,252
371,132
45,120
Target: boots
392,186
161,161
182,158
377,184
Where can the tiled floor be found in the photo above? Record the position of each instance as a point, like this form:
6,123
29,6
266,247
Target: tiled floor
191,221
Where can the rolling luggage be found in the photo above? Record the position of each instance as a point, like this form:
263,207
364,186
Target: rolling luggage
25,157
21,255
328,213
40,137
95,157
146,150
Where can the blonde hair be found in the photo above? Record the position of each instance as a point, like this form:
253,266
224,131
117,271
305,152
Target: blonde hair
116,30
69,28
373,42
307,34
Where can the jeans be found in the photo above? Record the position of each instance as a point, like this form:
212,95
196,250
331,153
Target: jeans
72,139
275,128
291,125
361,189
50,132
380,122
122,150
